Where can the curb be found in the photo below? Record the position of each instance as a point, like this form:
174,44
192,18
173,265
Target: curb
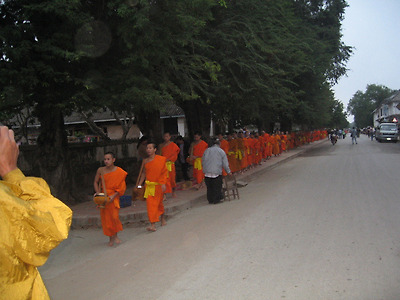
140,217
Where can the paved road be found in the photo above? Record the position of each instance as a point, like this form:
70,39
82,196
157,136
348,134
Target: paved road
325,225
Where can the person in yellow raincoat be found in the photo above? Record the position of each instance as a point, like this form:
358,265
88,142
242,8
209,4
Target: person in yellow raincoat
33,223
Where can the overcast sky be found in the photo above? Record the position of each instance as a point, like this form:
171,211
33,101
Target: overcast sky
372,27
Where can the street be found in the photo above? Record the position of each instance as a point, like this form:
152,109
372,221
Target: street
325,225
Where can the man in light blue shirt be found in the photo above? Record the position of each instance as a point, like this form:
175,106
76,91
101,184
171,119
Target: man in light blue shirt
214,160
353,135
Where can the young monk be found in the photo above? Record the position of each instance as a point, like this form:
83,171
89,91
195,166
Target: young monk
233,165
242,148
196,151
249,150
170,151
155,173
114,178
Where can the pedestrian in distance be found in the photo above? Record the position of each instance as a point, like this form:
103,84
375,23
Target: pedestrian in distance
33,223
115,186
214,161
156,175
353,134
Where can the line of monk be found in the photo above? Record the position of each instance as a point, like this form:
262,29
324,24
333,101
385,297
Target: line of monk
245,150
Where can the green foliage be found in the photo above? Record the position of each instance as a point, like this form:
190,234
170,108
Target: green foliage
248,61
362,104
338,116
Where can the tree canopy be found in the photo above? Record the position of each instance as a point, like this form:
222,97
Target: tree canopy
248,61
239,62
362,104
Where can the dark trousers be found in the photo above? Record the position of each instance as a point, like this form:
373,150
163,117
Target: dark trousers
185,167
214,189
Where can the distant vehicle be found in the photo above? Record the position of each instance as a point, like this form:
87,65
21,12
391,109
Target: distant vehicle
387,132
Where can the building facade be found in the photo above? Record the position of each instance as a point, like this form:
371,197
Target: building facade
389,110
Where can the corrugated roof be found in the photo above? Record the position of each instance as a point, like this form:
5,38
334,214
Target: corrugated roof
171,111
98,116
105,115
393,98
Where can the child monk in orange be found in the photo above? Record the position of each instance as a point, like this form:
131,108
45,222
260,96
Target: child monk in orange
155,172
170,151
233,148
114,178
196,151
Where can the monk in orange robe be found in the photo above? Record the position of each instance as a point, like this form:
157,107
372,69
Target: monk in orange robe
196,151
156,174
283,142
242,148
266,140
249,150
170,151
262,146
224,145
263,142
257,148
114,178
232,153
250,142
275,145
239,151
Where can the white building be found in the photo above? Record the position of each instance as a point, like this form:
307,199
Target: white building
389,110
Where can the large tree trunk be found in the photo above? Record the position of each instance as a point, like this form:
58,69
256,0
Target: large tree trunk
150,124
198,117
52,157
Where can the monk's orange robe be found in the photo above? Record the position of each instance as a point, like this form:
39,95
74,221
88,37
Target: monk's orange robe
249,151
270,145
244,163
283,142
156,175
198,151
115,182
232,155
257,151
241,154
262,146
265,150
170,152
275,145
224,146
260,153
292,140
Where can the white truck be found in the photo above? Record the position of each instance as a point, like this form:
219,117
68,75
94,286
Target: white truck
387,132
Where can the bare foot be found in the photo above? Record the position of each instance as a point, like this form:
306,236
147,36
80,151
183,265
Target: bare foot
117,240
163,221
111,242
151,229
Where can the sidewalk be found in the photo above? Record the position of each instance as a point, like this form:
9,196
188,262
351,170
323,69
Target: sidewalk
87,215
